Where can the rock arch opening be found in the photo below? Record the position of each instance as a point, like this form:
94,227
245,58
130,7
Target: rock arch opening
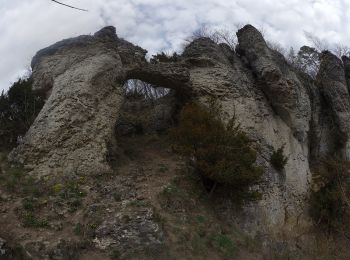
147,112
146,109
141,89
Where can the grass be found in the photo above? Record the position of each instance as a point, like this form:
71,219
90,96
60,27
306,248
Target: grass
86,231
138,203
187,215
78,229
29,204
171,189
16,181
201,219
115,254
162,168
70,193
30,220
223,244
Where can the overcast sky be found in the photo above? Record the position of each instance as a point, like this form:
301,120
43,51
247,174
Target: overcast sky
26,26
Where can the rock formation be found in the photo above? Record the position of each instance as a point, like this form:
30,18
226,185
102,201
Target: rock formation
275,105
333,87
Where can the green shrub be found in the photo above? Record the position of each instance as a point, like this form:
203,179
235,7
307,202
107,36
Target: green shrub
69,192
29,204
224,244
164,57
222,153
16,179
329,201
115,254
30,220
18,109
278,159
78,229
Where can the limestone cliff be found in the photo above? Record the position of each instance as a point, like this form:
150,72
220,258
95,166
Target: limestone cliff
275,105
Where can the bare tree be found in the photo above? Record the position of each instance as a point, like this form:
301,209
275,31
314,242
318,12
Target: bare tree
225,35
341,50
322,45
316,42
69,6
277,47
135,87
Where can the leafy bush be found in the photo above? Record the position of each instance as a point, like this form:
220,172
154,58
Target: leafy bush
69,193
18,109
164,57
329,202
221,153
278,159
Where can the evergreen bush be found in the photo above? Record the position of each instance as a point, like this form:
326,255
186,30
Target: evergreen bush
221,152
278,159
330,199
18,109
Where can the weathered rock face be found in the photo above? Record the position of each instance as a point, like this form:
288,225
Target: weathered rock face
130,234
275,105
288,97
346,62
333,86
84,78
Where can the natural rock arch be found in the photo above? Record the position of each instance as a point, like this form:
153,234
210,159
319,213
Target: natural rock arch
83,77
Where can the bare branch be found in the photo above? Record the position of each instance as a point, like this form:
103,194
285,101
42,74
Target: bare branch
218,35
317,43
69,6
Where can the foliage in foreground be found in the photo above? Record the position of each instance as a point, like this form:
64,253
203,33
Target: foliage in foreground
278,159
330,202
18,109
221,153
164,57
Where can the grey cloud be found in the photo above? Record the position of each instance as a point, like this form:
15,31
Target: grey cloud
160,25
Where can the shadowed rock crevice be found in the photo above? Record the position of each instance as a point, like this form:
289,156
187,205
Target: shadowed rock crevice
333,87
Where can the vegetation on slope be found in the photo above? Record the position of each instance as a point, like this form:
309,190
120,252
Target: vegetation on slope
329,201
278,159
18,109
221,152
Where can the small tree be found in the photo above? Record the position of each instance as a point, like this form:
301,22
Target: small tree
18,109
329,201
307,60
222,153
278,159
164,57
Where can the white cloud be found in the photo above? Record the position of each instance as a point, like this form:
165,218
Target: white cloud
159,25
